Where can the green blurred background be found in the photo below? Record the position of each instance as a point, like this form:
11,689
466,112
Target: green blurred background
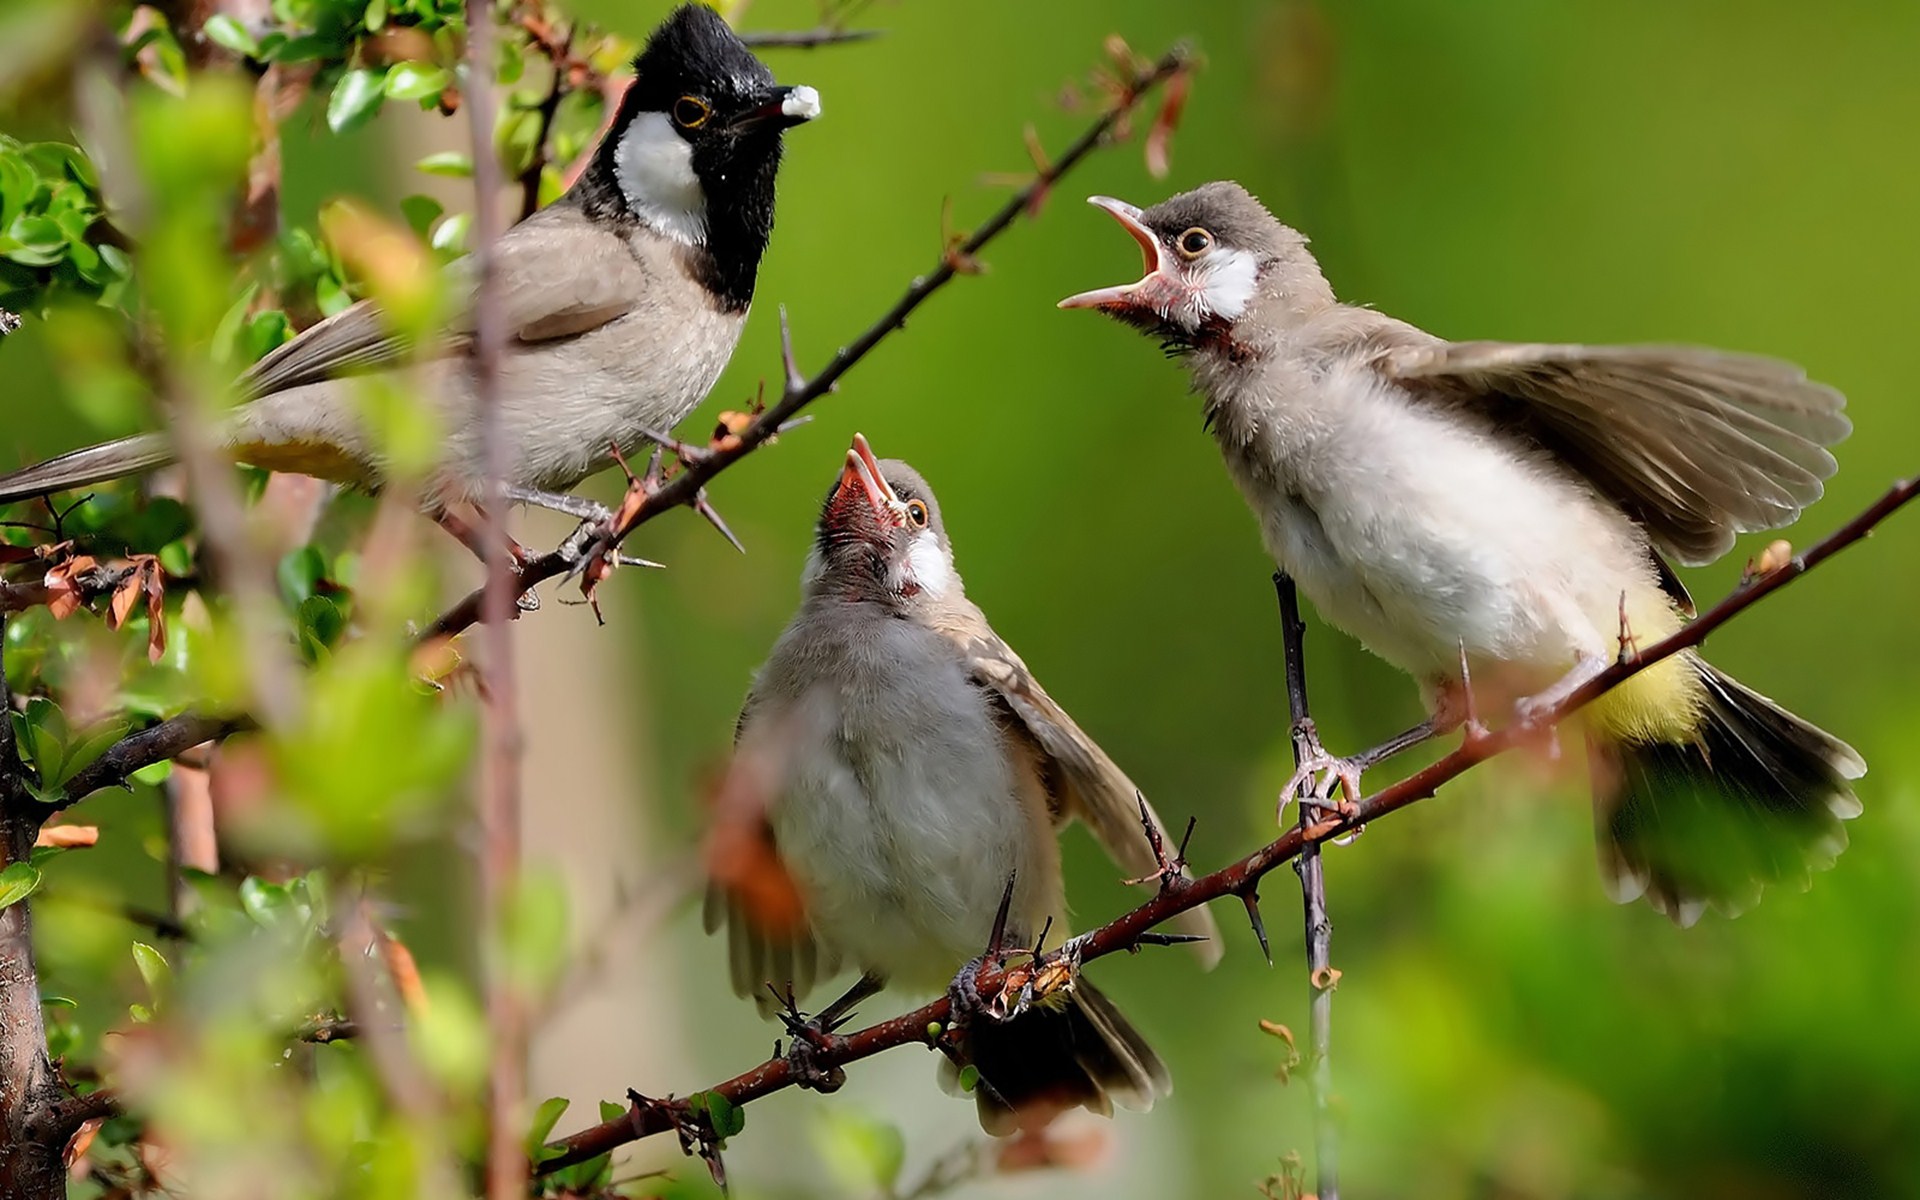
1740,175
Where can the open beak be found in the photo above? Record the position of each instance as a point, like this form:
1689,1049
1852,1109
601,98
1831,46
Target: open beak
781,108
861,480
1148,291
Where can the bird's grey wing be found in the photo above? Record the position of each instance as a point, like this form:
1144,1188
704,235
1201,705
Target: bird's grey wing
1081,780
557,274
757,954
1695,444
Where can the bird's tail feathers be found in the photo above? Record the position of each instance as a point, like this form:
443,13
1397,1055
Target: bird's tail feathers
1081,1053
95,464
1757,796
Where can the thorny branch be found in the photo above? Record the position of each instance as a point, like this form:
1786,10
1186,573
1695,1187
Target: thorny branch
1313,897
649,498
1134,929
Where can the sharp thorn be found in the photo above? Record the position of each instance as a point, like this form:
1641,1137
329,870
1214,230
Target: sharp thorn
796,382
1152,938
1252,901
792,423
628,560
705,508
998,937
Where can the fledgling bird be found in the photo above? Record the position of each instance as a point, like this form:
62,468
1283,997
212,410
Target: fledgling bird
919,765
622,300
1512,507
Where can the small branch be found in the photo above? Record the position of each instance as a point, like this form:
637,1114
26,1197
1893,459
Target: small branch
1239,878
157,743
807,39
499,793
686,488
1313,898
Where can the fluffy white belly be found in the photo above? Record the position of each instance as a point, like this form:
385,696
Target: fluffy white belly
1419,534
902,826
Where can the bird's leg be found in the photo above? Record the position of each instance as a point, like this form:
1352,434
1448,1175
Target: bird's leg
810,1037
474,538
578,507
1529,710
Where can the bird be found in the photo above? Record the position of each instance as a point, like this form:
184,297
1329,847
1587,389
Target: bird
911,764
1481,510
622,302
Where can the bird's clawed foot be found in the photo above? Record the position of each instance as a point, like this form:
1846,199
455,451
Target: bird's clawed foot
1312,782
812,1040
1538,710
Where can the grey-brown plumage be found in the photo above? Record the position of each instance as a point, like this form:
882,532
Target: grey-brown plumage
1512,504
911,764
622,302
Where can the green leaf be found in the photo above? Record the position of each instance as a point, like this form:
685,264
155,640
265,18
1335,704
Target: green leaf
969,1077
421,212
376,15
589,1178
609,1111
154,969
88,746
154,774
452,233
223,30
416,81
265,902
356,98
544,1119
728,1118
450,163
17,882
320,623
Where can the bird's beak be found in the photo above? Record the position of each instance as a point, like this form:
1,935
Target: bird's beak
1152,290
781,108
861,483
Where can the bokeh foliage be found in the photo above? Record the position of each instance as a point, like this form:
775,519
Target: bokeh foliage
1556,172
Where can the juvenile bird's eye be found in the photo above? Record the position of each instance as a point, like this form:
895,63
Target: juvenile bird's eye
1195,242
917,514
691,112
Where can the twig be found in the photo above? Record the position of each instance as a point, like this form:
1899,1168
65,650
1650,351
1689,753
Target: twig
686,487
807,39
499,798
1238,878
157,743
1313,898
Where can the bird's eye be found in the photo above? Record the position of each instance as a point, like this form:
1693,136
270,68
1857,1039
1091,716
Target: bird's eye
691,112
916,514
1195,242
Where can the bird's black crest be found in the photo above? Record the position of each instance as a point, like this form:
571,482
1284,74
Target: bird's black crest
693,51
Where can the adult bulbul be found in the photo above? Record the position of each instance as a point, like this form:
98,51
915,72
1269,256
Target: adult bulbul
917,765
1512,508
622,301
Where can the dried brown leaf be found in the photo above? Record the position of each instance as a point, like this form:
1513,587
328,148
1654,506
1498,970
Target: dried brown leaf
1159,143
66,837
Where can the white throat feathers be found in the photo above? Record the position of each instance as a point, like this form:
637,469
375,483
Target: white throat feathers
654,166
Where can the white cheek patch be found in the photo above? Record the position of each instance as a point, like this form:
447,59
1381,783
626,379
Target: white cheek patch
1224,282
926,566
654,165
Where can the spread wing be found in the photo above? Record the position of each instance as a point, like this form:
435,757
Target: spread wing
1695,444
741,847
557,274
1081,780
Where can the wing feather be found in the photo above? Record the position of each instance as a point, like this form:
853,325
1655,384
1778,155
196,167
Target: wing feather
1696,444
1083,782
